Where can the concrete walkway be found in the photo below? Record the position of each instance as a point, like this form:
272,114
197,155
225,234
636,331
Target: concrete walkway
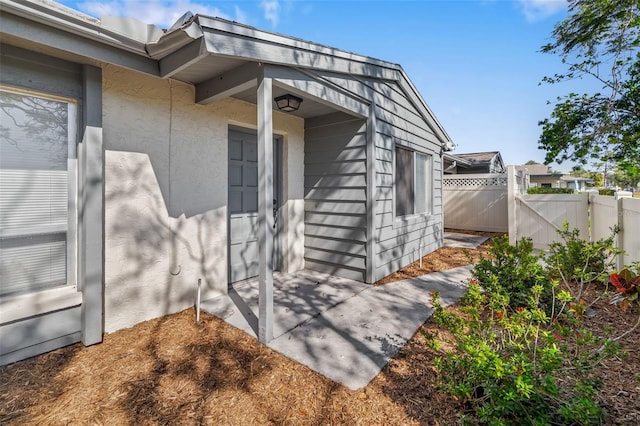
454,239
343,329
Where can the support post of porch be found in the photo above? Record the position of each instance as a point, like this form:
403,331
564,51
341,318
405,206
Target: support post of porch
265,208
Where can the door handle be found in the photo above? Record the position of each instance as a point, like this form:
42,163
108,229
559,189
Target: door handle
275,212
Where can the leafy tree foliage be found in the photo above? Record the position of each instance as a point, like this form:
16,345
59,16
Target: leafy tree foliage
600,39
627,173
598,179
580,171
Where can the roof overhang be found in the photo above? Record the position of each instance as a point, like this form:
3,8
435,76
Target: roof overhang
208,52
38,25
452,158
206,49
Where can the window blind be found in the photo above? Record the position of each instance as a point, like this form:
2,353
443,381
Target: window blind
34,190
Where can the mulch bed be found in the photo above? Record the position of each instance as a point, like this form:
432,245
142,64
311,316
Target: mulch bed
173,371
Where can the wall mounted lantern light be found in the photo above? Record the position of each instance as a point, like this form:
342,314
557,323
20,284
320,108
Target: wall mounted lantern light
288,102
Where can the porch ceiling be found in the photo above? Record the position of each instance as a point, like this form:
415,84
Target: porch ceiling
208,70
308,109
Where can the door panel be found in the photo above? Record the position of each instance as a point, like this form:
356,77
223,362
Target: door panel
243,205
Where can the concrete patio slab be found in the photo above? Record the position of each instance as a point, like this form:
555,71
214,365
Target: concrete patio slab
455,239
352,342
343,329
297,298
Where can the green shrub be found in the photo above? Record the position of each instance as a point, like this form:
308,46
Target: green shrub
513,360
511,270
508,365
609,192
575,260
546,190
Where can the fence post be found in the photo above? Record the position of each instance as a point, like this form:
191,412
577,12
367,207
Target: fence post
620,236
511,204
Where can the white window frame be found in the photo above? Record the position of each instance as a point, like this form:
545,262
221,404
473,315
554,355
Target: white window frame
418,217
23,305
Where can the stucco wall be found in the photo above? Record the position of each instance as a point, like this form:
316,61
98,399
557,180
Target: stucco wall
166,194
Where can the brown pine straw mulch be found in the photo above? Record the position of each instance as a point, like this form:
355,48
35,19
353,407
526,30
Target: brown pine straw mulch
173,371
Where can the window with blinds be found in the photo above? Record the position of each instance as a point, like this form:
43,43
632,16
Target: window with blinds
37,191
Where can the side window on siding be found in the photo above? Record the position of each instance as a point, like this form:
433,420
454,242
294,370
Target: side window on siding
413,182
37,191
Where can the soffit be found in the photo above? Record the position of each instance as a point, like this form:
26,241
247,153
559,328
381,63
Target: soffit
308,109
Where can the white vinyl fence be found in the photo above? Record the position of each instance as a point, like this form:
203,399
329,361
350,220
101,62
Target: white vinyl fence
608,212
499,203
476,202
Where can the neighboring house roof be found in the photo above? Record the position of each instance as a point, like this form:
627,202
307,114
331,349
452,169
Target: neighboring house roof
570,178
217,56
452,161
481,162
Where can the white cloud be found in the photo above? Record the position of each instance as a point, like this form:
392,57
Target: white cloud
271,11
99,9
241,16
534,10
163,14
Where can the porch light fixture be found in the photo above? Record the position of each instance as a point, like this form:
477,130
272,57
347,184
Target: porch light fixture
288,102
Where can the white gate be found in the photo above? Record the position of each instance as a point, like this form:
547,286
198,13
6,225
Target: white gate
540,216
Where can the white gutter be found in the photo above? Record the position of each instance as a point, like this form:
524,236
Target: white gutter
54,15
174,40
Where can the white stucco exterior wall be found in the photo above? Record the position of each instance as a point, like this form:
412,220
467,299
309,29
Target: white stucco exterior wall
166,194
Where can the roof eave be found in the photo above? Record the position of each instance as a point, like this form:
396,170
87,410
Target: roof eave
73,23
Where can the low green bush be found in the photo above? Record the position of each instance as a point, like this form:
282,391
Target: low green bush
574,260
609,192
517,352
545,190
511,270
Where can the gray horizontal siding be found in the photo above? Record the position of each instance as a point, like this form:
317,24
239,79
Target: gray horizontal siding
399,243
398,263
335,269
336,245
328,210
37,335
386,94
348,220
343,233
335,196
397,234
320,206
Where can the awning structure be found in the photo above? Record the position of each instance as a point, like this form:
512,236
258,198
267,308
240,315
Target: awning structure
224,59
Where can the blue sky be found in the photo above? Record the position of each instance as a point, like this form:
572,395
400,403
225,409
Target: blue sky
476,62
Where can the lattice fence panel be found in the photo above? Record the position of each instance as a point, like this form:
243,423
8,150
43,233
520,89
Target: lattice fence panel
460,181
